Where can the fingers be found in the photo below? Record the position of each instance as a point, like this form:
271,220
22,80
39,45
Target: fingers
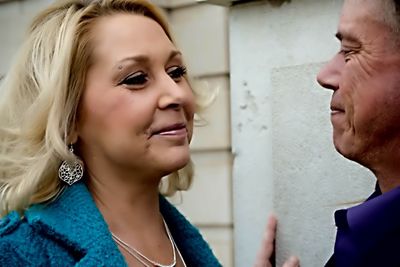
292,262
267,244
269,237
268,247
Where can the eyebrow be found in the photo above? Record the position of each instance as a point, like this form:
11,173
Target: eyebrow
144,58
340,36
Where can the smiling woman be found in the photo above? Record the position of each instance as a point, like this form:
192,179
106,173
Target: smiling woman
96,111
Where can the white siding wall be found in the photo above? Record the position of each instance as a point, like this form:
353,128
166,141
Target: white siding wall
14,19
201,32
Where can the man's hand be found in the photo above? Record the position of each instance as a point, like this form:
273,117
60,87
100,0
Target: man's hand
264,255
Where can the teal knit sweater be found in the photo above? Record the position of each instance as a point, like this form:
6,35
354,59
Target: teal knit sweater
71,232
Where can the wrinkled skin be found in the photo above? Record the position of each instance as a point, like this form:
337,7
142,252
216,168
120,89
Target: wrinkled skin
365,78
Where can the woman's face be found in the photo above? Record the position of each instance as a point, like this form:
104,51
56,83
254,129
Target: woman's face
136,112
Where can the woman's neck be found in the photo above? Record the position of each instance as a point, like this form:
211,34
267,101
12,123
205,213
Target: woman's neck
126,205
132,214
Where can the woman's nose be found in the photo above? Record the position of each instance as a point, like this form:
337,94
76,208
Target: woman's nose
175,94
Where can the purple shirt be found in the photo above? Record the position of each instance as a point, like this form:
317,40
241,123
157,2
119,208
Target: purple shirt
369,234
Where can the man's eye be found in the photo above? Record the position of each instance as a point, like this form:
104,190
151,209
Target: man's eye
177,72
135,79
346,53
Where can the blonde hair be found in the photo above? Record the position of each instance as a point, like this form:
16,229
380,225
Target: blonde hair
41,96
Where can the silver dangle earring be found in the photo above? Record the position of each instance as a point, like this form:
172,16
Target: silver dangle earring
70,172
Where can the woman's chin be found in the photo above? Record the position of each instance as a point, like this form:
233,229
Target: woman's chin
177,164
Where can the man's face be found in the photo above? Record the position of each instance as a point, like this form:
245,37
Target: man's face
365,78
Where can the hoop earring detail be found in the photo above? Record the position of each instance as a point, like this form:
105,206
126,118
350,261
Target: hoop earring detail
69,172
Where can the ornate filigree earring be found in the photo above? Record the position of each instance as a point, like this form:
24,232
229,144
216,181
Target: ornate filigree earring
70,172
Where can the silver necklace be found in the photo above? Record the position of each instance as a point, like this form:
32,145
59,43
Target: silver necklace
141,258
179,253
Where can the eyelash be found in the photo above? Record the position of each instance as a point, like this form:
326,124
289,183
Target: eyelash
177,73
140,78
135,79
346,53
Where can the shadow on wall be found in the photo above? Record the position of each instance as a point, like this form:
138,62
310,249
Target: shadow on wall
274,3
278,2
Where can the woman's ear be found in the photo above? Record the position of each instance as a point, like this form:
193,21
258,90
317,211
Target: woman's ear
72,137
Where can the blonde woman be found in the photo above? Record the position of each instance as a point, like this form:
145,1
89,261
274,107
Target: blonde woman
95,111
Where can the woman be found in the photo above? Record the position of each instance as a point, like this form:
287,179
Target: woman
96,110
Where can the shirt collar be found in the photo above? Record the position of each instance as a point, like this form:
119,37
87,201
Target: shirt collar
341,218
368,233
380,212
376,193
378,208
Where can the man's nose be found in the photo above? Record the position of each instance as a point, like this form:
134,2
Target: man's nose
329,75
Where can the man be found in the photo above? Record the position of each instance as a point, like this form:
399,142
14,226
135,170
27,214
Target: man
365,105
365,114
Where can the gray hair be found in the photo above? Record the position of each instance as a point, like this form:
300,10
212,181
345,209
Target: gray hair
391,9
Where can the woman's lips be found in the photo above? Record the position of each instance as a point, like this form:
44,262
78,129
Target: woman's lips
176,129
181,131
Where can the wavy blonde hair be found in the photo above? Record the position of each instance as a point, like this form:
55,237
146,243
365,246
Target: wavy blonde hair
40,99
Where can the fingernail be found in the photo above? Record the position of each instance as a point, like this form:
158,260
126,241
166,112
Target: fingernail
295,260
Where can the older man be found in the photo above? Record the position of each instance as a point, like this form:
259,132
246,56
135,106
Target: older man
364,77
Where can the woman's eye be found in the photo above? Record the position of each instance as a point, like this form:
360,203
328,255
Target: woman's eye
135,79
177,72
